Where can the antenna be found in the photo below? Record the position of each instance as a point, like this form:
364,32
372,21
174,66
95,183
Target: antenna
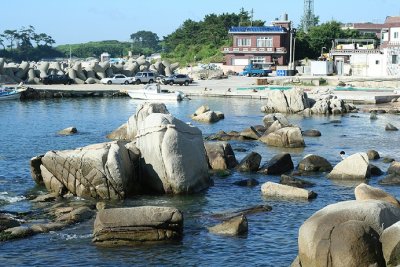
308,15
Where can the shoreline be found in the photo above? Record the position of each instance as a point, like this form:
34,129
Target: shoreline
244,87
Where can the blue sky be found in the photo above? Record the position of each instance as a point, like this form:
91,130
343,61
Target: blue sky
77,21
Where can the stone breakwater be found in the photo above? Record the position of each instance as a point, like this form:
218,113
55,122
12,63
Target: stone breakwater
79,71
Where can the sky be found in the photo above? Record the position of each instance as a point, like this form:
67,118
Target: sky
80,21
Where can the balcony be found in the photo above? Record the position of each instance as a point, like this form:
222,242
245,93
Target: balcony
254,50
339,52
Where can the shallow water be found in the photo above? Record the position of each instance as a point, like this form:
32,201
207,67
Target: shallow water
29,129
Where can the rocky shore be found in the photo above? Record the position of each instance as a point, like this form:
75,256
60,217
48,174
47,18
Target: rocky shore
154,153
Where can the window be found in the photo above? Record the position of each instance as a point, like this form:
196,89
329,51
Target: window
264,41
396,35
394,59
243,42
257,60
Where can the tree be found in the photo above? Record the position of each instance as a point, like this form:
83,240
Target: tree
2,41
146,39
25,36
204,39
11,36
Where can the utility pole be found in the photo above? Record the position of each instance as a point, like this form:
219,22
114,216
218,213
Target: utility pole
252,14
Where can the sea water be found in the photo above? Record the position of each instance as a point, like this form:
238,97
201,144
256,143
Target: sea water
30,128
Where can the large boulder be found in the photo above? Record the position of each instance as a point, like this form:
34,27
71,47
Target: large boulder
172,154
364,192
314,163
220,155
271,189
129,226
346,234
278,164
101,171
289,137
142,111
354,167
390,239
286,101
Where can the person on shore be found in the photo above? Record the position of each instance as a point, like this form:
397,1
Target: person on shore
343,154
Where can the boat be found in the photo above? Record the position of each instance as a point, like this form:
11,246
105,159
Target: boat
8,93
154,92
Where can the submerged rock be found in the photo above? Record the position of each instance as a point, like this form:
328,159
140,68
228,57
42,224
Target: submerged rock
390,127
311,133
271,189
232,227
129,226
248,182
68,131
296,182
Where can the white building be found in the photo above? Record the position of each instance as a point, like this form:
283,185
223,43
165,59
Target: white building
391,45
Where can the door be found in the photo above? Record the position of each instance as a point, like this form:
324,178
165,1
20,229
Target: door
339,67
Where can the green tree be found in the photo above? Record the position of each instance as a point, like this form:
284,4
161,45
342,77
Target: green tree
146,39
194,41
11,36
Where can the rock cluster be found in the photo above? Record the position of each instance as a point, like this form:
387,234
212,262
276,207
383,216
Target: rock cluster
296,101
204,114
79,72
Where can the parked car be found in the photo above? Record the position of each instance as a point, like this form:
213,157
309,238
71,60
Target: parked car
117,79
144,77
178,79
56,79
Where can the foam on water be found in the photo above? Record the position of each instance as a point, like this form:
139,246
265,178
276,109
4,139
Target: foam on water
4,196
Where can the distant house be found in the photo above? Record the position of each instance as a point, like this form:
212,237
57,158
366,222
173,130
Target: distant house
357,57
390,45
364,57
365,28
259,45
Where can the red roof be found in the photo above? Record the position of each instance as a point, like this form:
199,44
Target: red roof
391,20
367,26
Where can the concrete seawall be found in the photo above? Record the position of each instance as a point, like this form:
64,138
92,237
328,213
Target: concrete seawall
237,87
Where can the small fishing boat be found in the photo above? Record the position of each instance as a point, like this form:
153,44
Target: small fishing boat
8,93
154,92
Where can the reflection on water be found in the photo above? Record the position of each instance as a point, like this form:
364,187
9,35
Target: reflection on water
30,128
